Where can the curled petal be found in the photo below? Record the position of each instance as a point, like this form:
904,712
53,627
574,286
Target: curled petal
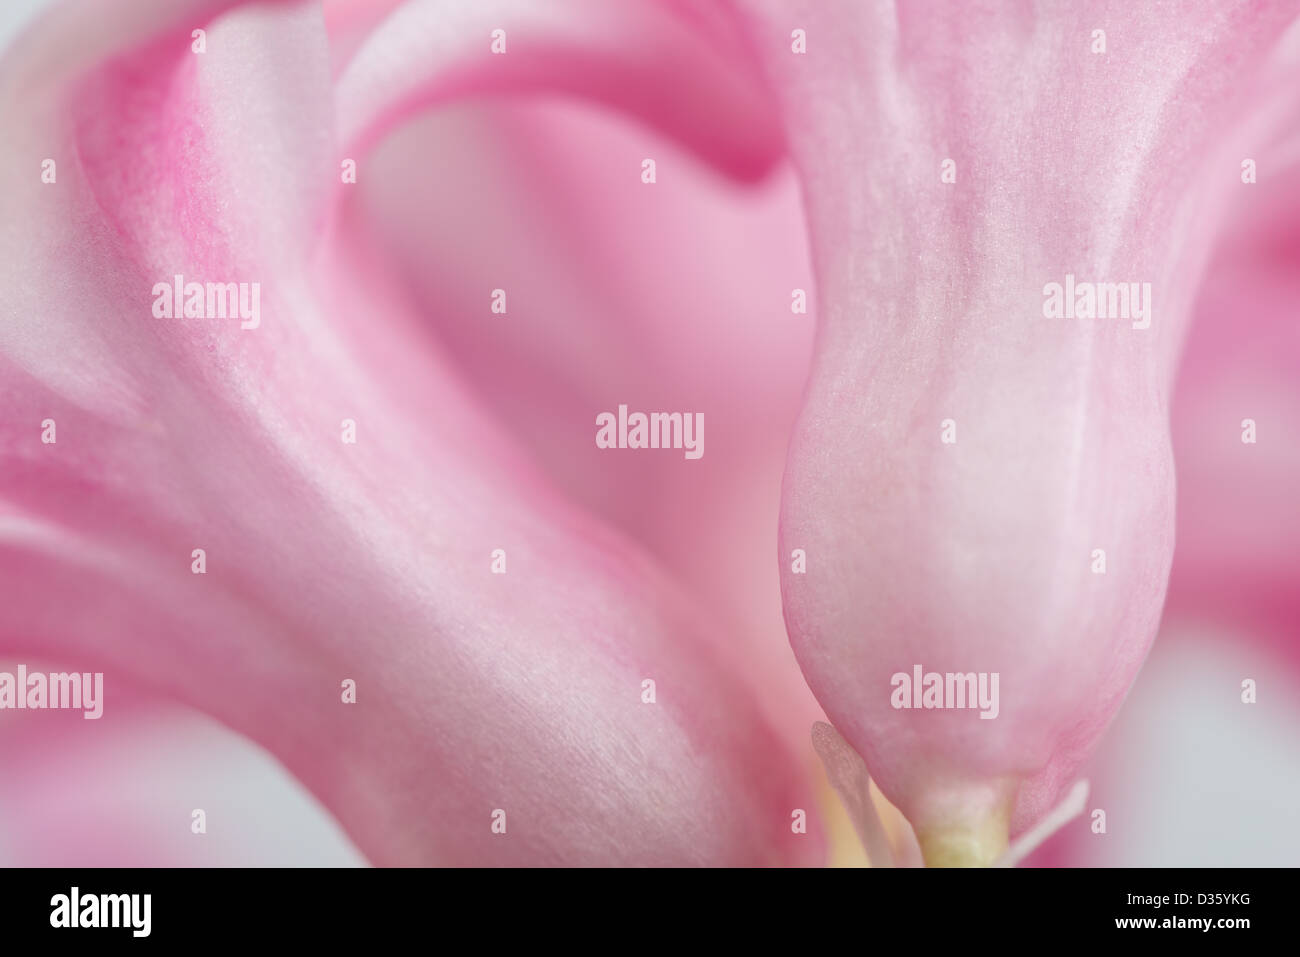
673,68
482,686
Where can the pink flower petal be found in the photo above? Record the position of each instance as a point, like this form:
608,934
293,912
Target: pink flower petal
684,304
1237,560
977,556
664,62
476,692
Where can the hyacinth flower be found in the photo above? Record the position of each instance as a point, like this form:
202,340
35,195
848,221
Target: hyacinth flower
988,477
516,681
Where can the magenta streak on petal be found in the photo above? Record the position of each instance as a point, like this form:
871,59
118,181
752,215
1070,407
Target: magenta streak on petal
327,561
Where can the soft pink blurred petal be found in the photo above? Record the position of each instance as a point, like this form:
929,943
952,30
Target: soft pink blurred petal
121,791
326,561
1237,559
682,304
664,62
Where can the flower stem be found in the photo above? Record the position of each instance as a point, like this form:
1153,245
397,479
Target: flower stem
968,844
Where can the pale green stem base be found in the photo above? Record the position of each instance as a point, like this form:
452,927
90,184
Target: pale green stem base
970,844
